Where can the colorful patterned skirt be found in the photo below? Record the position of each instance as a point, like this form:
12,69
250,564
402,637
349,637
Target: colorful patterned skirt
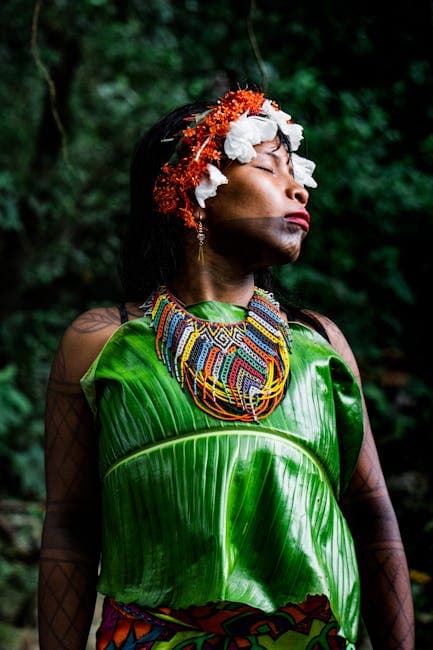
220,626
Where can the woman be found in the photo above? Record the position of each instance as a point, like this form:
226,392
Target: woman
229,430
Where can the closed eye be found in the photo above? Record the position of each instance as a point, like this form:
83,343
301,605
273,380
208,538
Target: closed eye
266,169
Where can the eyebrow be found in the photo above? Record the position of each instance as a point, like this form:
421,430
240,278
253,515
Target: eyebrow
276,156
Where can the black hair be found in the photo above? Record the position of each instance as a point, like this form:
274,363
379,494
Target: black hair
149,255
151,246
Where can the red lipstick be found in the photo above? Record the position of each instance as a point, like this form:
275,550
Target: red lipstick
300,218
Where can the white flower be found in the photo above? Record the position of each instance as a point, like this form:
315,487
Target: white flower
240,140
209,184
280,117
266,128
303,170
239,149
244,129
244,133
294,133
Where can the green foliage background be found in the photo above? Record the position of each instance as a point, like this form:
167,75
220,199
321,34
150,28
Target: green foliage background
358,76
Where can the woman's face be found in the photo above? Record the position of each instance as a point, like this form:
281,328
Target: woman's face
259,217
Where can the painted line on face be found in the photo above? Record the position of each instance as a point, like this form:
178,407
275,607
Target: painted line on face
299,218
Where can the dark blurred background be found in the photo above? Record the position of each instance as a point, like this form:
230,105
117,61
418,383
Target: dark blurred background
82,80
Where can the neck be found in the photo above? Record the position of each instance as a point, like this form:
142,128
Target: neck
197,282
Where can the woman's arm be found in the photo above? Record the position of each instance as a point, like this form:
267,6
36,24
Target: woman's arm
387,605
386,597
70,542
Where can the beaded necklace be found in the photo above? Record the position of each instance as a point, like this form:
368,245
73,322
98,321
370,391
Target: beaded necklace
235,371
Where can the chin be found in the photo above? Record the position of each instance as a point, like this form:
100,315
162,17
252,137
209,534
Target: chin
277,257
290,250
294,256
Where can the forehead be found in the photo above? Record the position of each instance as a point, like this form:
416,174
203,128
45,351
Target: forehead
276,148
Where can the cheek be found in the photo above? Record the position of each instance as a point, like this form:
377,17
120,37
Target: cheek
240,201
246,230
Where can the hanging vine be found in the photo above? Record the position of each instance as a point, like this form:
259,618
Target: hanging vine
50,83
255,47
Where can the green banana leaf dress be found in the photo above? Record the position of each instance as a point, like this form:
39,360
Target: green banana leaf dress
200,511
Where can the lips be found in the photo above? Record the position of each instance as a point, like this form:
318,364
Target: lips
300,218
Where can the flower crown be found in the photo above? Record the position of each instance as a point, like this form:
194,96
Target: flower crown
240,120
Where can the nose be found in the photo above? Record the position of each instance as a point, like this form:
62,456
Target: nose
297,192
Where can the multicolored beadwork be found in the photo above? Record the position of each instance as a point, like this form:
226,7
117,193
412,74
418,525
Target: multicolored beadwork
235,371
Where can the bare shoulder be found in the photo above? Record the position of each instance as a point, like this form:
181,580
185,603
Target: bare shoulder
85,337
337,340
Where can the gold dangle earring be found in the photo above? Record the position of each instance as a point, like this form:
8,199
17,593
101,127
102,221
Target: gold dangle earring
201,238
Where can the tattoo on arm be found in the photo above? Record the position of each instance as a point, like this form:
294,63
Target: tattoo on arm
95,321
70,544
386,595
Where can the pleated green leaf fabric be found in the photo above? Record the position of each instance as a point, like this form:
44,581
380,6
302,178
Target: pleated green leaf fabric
196,509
